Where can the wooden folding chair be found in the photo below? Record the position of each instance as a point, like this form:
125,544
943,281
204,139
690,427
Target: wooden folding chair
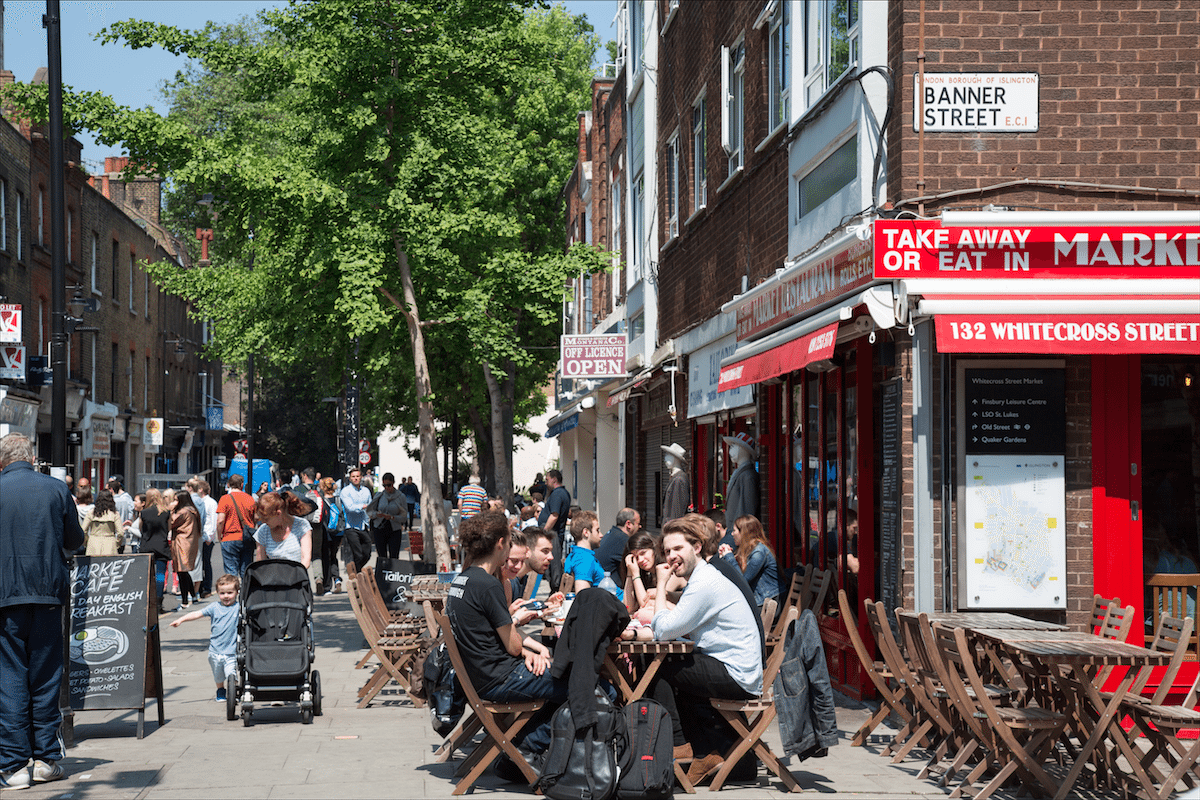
1117,625
791,600
1162,726
1100,607
501,722
1173,595
935,698
925,716
1171,635
815,589
767,614
892,700
395,650
1016,739
750,719
567,584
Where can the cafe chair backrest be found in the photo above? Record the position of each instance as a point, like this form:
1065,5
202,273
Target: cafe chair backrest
792,600
567,584
1118,623
1174,595
1100,608
1172,636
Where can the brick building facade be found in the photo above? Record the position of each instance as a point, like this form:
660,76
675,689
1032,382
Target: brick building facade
143,361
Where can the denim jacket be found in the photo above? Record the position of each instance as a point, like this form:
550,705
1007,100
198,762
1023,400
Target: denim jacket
803,694
761,572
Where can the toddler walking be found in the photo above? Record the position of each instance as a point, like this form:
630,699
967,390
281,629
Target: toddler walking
222,645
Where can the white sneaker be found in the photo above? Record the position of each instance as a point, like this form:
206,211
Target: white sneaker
17,779
47,771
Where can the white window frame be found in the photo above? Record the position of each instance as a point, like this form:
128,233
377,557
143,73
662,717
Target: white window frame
779,91
95,270
671,175
20,226
637,224
132,262
699,153
3,214
818,39
614,220
733,89
637,35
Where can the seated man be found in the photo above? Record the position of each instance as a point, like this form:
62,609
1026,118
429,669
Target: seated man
500,663
612,548
727,660
581,562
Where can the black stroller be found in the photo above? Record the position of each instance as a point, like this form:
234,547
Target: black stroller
275,649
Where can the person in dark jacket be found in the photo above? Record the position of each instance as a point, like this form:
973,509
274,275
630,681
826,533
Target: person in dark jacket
38,522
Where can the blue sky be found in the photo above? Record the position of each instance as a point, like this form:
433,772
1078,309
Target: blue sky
133,77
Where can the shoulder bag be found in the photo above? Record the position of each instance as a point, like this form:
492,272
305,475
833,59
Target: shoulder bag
247,530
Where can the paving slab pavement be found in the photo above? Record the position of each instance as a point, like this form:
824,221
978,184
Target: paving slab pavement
383,751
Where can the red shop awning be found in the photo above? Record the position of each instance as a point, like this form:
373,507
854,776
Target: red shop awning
793,354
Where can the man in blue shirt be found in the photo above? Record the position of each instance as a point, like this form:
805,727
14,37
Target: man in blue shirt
581,561
357,541
38,521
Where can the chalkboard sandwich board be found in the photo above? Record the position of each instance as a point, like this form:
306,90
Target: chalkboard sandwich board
113,655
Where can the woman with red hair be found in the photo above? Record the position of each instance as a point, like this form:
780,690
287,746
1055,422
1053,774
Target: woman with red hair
284,532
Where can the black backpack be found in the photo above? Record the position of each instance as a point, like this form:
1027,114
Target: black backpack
648,767
447,700
584,764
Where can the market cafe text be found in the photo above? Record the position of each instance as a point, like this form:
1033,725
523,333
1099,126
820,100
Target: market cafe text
925,248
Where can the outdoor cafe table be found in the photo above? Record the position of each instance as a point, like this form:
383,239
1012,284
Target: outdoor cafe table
656,652
1071,660
987,619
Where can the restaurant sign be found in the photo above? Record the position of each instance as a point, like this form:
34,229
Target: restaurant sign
594,356
924,248
817,284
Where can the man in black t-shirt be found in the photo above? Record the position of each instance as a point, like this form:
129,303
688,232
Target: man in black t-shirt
554,519
612,548
502,665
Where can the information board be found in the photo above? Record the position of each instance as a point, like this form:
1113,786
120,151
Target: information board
1012,446
113,656
889,494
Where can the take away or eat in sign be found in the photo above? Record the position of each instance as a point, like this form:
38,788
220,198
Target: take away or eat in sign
924,248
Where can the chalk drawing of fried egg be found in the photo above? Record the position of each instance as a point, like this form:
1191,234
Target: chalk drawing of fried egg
98,645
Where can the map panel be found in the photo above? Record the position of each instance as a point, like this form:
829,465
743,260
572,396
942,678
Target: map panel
1015,542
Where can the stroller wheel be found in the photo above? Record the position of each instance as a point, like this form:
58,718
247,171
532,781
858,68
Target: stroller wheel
306,716
230,698
246,714
316,692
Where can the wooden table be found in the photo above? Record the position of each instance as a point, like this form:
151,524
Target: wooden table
988,619
1070,661
656,650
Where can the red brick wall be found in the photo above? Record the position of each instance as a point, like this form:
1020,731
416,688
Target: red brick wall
1119,104
743,231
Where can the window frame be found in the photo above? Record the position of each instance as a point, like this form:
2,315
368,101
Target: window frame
95,268
815,76
637,35
20,226
132,263
733,118
851,142
41,233
700,153
779,85
671,176
637,223
116,266
3,214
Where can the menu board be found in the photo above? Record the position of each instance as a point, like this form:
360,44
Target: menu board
889,494
1012,551
113,659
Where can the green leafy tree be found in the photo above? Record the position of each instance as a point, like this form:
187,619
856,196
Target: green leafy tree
383,173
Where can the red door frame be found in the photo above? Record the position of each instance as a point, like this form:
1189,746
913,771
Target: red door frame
1117,482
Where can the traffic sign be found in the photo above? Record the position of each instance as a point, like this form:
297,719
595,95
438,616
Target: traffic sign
241,446
364,445
364,458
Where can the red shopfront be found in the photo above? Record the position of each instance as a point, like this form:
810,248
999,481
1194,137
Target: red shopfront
816,344
1115,298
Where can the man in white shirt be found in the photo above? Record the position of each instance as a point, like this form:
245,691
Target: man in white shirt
357,540
727,660
209,539
121,498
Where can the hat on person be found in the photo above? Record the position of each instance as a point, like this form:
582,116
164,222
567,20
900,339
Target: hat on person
674,449
743,439
117,479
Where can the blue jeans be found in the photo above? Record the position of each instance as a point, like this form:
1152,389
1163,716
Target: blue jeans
236,557
206,582
522,685
31,671
160,576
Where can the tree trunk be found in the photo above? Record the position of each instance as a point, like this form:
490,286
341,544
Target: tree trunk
433,510
481,451
501,398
